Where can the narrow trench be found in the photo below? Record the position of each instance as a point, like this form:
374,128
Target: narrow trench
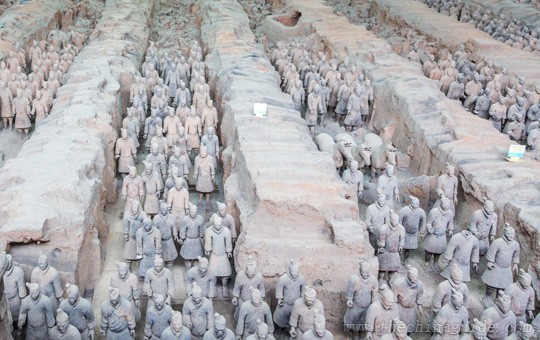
174,33
72,27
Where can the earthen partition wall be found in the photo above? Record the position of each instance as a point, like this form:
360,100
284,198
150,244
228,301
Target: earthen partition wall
55,190
439,129
283,191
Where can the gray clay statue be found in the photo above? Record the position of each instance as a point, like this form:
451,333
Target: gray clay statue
247,279
289,288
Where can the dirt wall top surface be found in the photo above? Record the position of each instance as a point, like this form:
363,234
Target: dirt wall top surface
289,198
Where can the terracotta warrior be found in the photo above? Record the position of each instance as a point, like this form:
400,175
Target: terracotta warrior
354,179
170,127
377,215
409,291
440,223
447,185
313,108
63,328
218,245
14,287
211,142
502,260
198,313
128,286
247,279
40,109
362,291
117,320
48,279
21,110
380,314
193,129
191,236
148,240
150,127
483,103
178,200
165,223
132,222
522,297
413,219
354,109
125,152
6,97
161,141
318,331
252,310
199,274
290,287
303,311
132,189
153,186
209,116
484,225
220,330
79,312
159,280
37,312
262,332
176,330
452,320
390,244
226,219
443,292
462,250
388,183
158,318
499,319
204,173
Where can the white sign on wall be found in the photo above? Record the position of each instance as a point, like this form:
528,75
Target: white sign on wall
516,153
259,109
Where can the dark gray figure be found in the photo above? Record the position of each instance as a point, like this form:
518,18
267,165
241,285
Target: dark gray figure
158,318
36,312
198,313
14,287
247,279
200,275
80,312
148,246
289,288
176,330
165,223
362,291
220,330
252,310
117,320
503,260
413,219
499,319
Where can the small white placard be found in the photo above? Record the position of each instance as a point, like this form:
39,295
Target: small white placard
516,153
259,109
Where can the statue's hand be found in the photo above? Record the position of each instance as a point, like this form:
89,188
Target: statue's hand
229,255
234,301
349,303
475,267
490,265
123,198
280,302
102,332
293,332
